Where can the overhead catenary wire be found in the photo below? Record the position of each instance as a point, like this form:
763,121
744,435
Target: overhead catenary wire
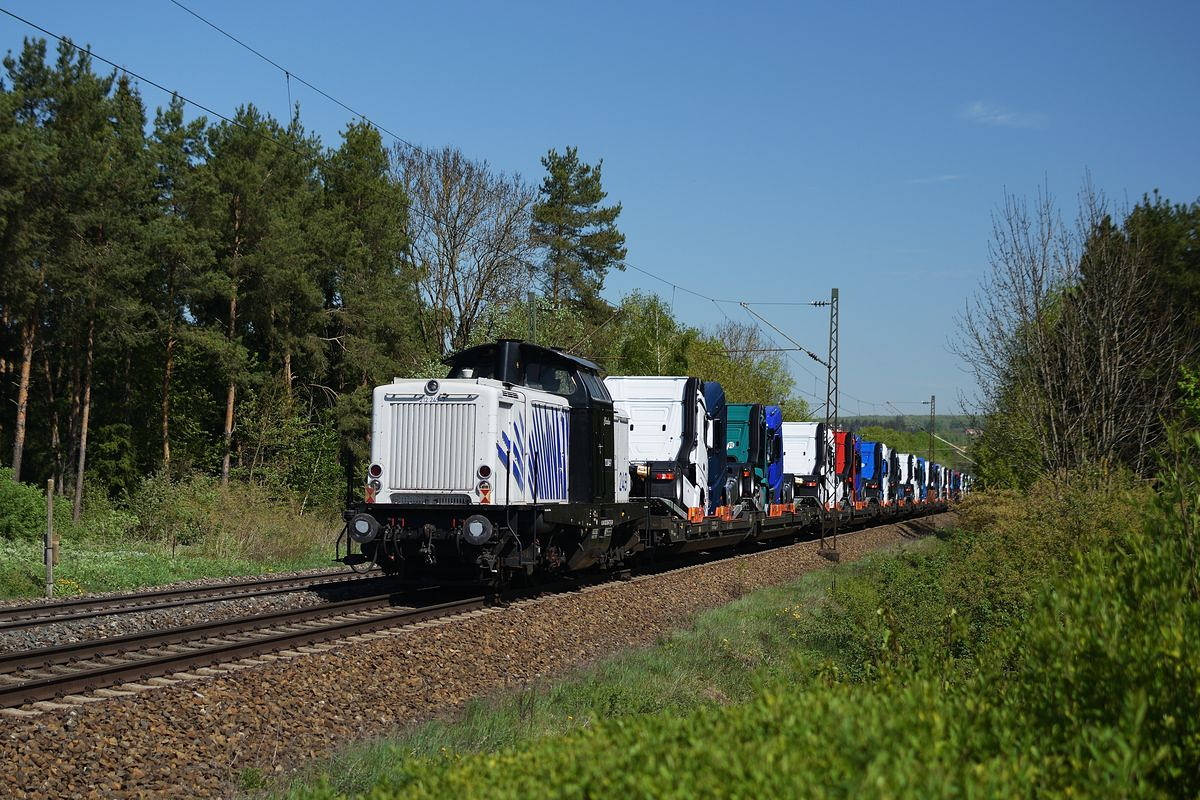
787,355
290,74
93,54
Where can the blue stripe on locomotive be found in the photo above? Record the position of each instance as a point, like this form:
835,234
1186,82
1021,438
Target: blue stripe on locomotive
542,456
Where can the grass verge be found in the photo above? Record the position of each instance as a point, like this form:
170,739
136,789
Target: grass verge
167,531
726,658
91,566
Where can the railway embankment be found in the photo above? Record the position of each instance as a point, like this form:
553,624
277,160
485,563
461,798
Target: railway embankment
1048,645
244,723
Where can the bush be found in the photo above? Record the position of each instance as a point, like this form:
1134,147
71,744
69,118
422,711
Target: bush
174,511
1104,679
235,521
22,509
102,521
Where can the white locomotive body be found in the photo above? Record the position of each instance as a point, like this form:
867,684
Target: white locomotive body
469,441
518,460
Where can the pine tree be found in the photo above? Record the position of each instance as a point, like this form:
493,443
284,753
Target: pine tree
28,159
242,155
180,254
579,236
98,264
264,214
370,297
282,293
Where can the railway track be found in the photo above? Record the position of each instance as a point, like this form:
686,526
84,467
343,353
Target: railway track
20,617
32,676
61,671
76,668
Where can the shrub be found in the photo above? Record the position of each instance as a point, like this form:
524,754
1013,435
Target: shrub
1103,680
236,521
101,522
22,508
174,511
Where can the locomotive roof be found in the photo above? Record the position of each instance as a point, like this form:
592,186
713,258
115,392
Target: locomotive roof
529,351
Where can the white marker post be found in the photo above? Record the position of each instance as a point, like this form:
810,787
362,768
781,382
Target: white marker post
49,553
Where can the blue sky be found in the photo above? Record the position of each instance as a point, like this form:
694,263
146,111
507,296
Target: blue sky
761,151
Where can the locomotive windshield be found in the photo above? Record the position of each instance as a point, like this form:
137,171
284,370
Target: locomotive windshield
595,386
550,378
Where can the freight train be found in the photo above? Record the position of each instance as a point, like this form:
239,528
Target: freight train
524,460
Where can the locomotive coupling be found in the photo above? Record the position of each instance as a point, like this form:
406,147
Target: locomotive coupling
363,528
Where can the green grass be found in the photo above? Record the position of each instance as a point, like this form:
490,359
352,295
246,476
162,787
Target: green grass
167,531
92,566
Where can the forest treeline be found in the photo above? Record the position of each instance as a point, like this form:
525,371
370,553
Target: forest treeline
182,295
1085,336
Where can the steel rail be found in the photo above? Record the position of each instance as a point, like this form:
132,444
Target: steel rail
19,617
85,675
143,640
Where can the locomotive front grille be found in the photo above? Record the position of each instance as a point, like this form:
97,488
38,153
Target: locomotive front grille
410,499
432,447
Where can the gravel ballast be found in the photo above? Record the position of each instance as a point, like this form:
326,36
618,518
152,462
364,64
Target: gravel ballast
107,625
198,736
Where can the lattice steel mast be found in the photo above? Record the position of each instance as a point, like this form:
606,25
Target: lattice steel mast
831,426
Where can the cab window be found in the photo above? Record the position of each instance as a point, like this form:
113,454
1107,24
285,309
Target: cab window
555,380
595,387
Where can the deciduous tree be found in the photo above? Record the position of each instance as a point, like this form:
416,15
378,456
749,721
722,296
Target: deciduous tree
1071,340
468,239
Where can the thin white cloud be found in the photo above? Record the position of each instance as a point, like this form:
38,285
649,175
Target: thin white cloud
935,179
990,114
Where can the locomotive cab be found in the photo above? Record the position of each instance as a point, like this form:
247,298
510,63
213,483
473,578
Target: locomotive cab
592,477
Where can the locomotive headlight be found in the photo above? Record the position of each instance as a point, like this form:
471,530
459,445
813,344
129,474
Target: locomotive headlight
374,484
477,530
363,528
375,470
